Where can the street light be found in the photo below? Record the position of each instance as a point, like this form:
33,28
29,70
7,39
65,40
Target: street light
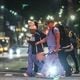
72,17
15,13
32,17
24,29
63,7
2,7
12,12
26,25
49,17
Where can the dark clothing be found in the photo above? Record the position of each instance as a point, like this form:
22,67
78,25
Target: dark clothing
37,48
33,64
73,53
63,55
73,41
65,41
74,57
63,59
35,68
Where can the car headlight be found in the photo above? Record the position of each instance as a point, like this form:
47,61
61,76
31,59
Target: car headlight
5,48
1,49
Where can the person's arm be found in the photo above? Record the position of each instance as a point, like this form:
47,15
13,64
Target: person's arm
41,41
57,40
57,37
43,38
42,35
70,49
66,46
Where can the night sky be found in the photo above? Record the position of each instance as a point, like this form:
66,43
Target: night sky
37,7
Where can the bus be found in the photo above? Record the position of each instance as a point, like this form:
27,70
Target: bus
4,44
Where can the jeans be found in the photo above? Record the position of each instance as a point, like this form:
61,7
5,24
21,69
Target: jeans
63,59
32,62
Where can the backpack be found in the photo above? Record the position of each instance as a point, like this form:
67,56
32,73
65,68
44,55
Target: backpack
62,33
64,39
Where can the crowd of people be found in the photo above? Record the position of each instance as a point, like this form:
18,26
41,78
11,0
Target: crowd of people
60,42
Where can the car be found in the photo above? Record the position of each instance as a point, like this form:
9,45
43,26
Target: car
1,48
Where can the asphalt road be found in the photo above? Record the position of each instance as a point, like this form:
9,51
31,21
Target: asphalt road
33,78
8,76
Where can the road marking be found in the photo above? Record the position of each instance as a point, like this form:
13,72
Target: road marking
8,75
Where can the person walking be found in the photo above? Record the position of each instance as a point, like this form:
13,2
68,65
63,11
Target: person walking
73,53
33,64
51,60
66,48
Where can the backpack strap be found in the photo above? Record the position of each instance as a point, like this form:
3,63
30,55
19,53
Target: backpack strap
53,31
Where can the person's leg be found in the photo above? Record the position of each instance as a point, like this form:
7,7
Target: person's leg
35,68
30,71
48,63
73,55
30,64
37,64
59,67
63,59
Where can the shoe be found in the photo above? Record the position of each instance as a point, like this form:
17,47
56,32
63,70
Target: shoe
39,75
76,72
25,74
28,75
69,73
